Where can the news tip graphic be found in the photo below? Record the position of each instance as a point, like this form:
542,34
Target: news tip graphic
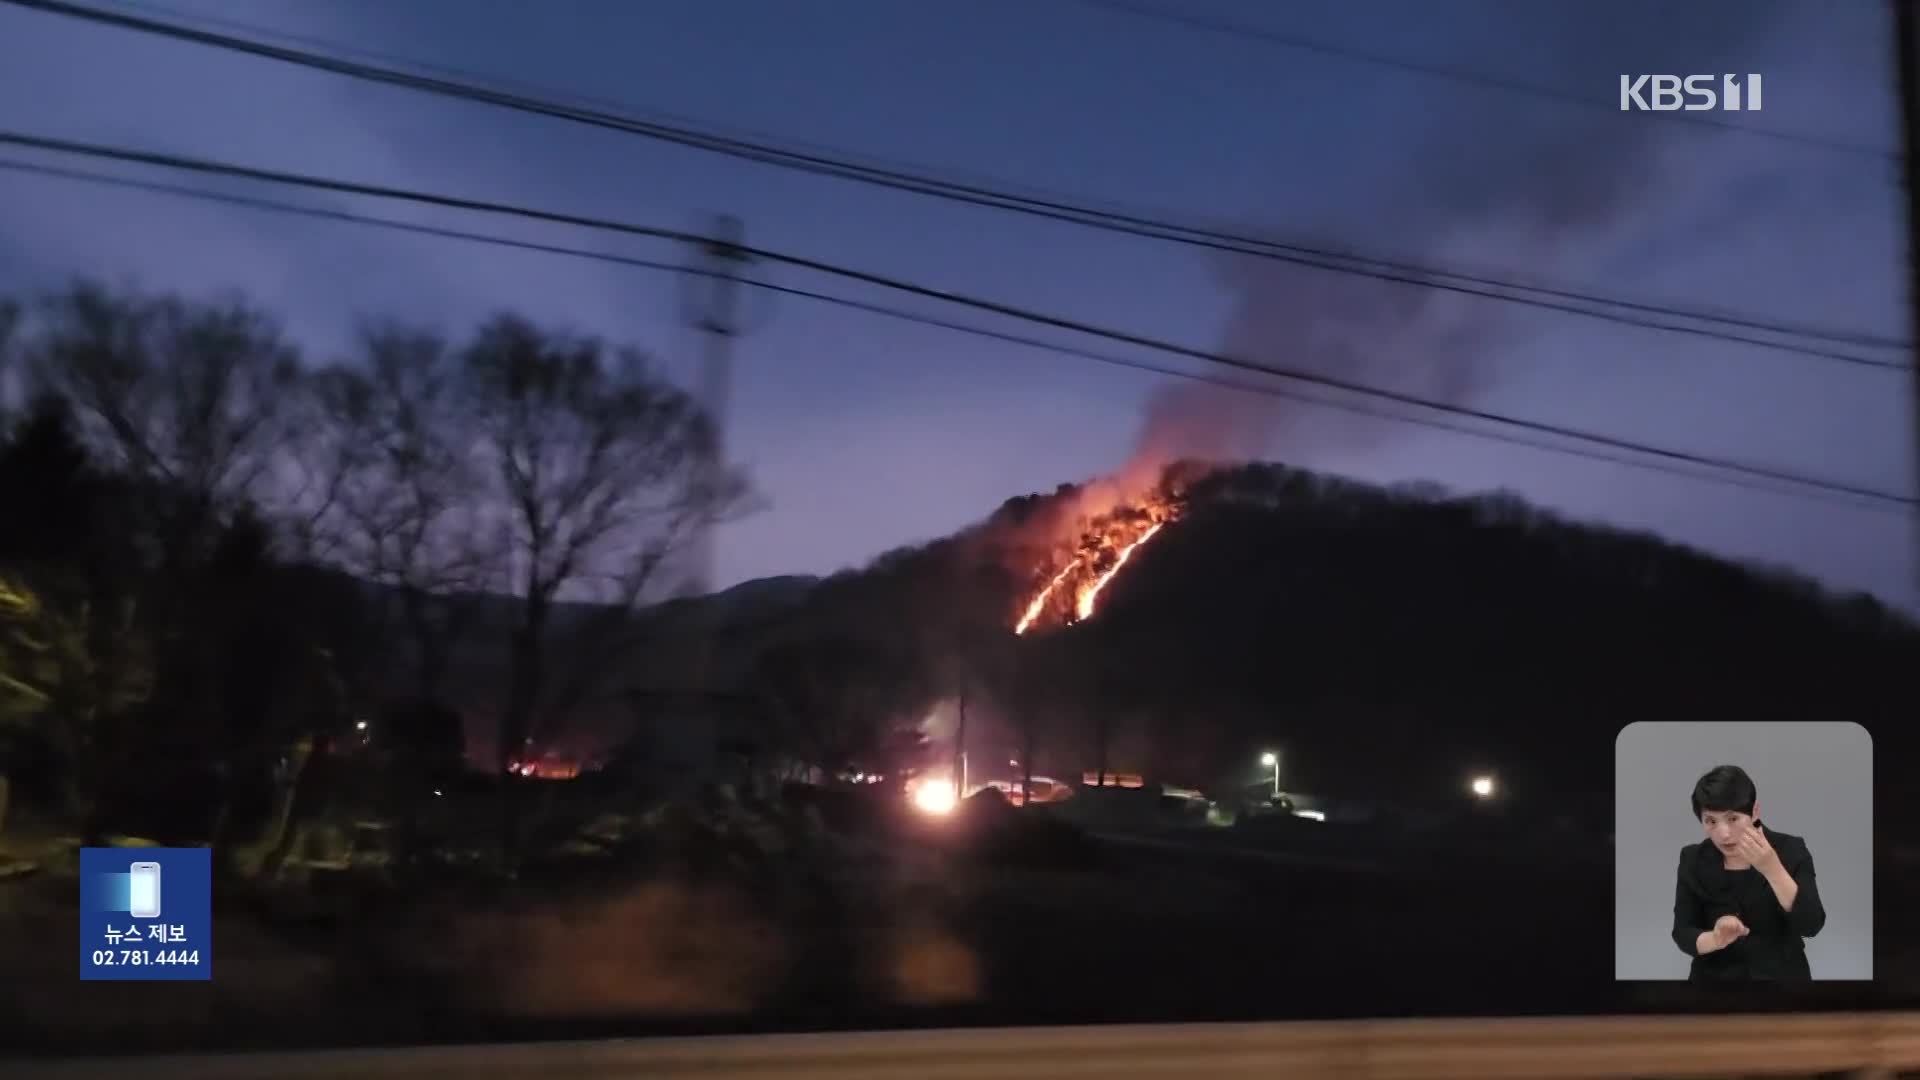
146,914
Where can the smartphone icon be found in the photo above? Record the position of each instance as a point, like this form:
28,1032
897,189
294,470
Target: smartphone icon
145,893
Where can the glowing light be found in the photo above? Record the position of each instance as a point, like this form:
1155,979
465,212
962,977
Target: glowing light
361,726
1310,815
1268,759
934,797
1483,787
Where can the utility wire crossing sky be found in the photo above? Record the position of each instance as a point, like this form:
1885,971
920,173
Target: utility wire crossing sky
1349,262
1840,496
1041,318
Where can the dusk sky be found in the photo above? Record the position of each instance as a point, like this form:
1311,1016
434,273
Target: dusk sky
865,433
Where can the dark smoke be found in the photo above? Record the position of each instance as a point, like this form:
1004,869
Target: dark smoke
1489,172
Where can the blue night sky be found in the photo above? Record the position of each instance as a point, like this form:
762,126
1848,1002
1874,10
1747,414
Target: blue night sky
865,434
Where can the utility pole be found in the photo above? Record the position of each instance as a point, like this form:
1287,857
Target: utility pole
960,748
1906,27
714,310
712,307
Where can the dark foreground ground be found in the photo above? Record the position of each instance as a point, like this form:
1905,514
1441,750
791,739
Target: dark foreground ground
995,921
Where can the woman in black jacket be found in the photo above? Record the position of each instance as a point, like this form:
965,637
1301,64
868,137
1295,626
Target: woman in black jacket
1746,898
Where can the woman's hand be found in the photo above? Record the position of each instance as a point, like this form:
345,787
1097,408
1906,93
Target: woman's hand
1759,853
1727,929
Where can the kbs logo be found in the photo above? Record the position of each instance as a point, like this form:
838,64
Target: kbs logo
1694,93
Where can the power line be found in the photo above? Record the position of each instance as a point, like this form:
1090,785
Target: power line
1468,76
1002,188
1565,301
903,315
999,189
976,303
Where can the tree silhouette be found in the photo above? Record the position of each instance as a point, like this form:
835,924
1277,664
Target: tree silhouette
185,397
76,654
394,494
599,472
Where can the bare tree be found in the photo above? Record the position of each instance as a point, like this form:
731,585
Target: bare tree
392,492
1034,698
181,394
601,473
194,405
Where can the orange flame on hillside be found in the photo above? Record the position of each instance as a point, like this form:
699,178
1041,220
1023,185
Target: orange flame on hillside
1105,548
1083,609
1039,603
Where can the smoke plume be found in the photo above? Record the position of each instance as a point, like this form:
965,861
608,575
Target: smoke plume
1480,180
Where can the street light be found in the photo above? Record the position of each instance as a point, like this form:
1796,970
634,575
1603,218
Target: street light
1483,787
1272,761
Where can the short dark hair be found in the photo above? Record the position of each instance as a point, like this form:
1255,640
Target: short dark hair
1724,787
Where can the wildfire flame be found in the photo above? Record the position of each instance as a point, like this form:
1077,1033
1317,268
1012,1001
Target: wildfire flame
1039,603
1109,545
1084,608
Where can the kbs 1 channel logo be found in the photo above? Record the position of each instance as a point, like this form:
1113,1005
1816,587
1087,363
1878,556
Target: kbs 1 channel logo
1691,93
146,914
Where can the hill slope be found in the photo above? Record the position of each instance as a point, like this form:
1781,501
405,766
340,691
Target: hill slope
1473,628
1388,639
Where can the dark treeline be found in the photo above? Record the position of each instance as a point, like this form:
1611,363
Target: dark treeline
220,561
